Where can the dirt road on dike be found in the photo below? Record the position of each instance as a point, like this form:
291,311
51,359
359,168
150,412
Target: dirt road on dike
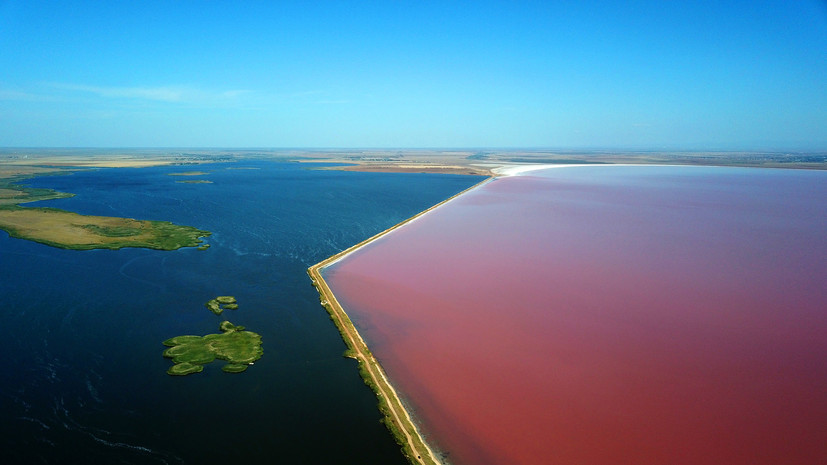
420,452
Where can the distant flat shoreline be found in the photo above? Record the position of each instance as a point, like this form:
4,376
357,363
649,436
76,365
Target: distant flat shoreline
479,161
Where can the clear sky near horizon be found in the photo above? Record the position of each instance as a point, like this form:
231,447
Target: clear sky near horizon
649,75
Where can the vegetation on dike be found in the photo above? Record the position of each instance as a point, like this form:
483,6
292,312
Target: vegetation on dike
237,347
388,403
395,415
69,230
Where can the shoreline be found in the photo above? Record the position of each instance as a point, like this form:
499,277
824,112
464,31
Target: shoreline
396,417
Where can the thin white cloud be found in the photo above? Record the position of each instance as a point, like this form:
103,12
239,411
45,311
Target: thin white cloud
188,96
173,94
332,102
303,93
164,94
7,94
235,93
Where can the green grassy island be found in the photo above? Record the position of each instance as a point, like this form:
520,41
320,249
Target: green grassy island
221,303
237,347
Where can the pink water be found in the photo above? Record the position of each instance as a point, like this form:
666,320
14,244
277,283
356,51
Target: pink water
611,315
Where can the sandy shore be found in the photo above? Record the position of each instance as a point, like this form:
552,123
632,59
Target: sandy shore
516,170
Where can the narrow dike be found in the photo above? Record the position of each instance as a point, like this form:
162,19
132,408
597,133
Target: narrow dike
396,417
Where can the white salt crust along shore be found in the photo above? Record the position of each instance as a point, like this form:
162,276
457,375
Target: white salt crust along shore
516,170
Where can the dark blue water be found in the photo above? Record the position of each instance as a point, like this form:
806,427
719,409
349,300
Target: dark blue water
83,379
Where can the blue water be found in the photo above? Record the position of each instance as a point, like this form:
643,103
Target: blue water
84,380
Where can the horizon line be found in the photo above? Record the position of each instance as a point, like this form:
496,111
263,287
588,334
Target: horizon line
423,148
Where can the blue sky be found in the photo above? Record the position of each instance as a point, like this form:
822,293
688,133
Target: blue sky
659,75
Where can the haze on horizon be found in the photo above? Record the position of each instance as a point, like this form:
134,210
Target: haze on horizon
644,75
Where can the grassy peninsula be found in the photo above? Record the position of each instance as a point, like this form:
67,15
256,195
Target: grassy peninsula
11,193
237,347
69,230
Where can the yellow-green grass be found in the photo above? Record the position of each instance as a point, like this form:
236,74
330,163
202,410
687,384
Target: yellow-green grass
214,307
12,194
233,368
237,347
185,368
221,303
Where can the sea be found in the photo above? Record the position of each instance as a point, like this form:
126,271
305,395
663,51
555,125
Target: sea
84,380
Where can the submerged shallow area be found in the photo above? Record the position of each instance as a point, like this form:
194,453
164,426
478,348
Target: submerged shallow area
599,315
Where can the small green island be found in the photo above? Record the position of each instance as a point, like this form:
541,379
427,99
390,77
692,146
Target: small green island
188,173
221,303
237,347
